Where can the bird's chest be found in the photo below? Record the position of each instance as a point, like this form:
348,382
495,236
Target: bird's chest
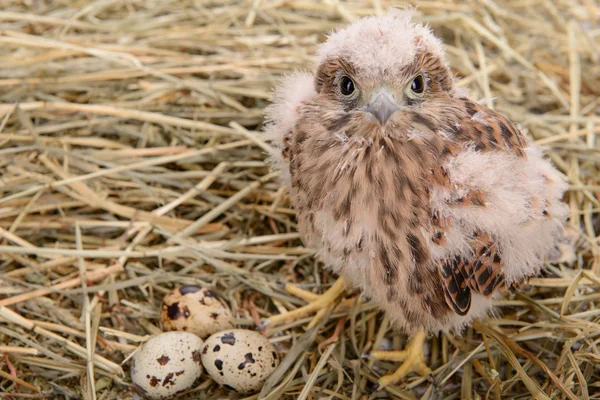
353,197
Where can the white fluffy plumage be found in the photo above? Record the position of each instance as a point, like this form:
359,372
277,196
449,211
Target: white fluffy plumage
510,183
379,44
282,114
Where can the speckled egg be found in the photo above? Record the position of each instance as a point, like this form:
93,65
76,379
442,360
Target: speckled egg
239,359
167,364
195,309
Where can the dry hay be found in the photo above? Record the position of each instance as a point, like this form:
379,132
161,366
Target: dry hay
131,160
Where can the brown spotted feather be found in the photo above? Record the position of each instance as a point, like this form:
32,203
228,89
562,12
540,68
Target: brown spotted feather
488,130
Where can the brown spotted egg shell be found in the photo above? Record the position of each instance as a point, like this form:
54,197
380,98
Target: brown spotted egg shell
195,309
239,359
167,364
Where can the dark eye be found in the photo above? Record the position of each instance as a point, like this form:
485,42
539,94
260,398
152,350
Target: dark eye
346,86
418,84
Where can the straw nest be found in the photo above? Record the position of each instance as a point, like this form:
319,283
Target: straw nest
131,161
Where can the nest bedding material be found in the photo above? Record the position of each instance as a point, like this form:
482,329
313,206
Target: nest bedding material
132,161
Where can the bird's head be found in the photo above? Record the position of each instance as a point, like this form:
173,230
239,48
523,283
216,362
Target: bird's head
382,72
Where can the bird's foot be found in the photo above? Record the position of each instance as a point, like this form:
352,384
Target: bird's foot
317,304
412,358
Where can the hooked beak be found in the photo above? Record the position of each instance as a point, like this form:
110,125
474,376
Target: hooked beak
382,106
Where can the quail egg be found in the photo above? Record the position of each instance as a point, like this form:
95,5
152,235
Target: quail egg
195,309
239,359
167,364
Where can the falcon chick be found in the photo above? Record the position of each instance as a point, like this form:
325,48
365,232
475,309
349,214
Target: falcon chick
427,201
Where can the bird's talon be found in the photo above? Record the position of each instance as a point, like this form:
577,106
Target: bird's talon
431,379
262,325
374,388
412,358
317,304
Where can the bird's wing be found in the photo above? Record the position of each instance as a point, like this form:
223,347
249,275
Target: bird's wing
481,273
281,117
495,199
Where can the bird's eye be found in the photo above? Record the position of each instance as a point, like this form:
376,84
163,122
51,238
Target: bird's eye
347,86
418,85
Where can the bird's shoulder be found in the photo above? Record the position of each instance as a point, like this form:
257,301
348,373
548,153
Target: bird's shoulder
487,129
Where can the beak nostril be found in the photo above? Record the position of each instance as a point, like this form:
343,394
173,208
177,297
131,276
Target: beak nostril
382,106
